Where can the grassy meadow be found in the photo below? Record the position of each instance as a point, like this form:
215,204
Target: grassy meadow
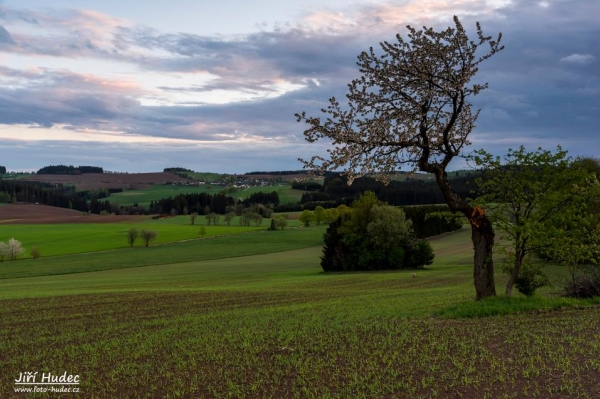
253,316
62,239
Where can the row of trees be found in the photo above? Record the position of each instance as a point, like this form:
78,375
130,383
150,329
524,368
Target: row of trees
69,170
184,204
415,191
147,236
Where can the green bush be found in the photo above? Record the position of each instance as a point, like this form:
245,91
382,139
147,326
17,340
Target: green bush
531,277
36,253
422,254
373,236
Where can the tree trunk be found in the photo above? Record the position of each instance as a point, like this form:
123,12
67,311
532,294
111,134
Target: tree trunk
482,235
515,273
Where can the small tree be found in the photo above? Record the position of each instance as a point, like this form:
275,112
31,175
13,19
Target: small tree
307,217
540,201
281,221
36,253
14,249
148,236
202,231
193,217
246,217
132,235
229,217
257,218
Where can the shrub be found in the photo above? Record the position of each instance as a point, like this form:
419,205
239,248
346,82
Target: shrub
36,253
531,277
420,255
584,286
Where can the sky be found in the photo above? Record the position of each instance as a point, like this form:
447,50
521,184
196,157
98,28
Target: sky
139,86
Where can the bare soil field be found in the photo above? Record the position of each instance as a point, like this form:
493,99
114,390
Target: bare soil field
126,181
33,214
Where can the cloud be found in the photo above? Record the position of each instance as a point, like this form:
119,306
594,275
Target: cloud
235,96
578,59
5,37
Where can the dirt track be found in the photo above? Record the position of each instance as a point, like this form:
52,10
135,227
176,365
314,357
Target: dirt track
34,214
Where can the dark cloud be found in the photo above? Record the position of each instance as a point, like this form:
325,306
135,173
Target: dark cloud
545,86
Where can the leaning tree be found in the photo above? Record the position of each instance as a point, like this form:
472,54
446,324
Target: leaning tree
410,107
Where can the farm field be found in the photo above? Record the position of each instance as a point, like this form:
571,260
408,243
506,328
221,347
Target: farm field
217,247
65,238
272,325
92,181
157,192
43,214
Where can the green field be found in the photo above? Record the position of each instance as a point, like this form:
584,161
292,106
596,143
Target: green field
143,197
61,239
253,316
287,195
157,192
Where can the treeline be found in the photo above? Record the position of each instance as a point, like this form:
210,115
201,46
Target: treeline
177,169
432,220
98,193
271,198
203,203
41,193
336,191
13,191
2,170
307,186
68,170
190,203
